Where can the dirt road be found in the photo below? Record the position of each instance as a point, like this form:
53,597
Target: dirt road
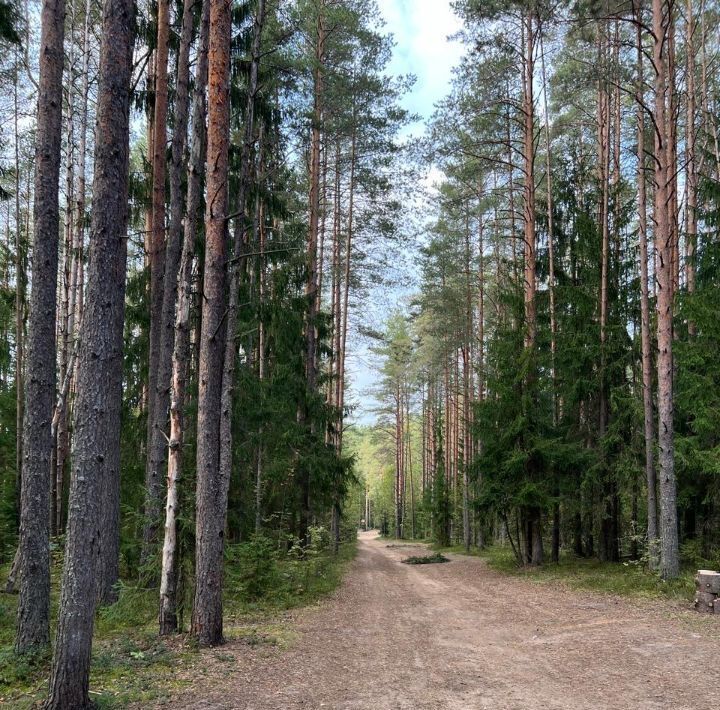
459,636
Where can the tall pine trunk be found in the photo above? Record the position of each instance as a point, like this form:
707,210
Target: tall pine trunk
20,288
207,621
162,288
691,176
645,336
662,18
535,548
33,630
99,371
234,271
312,280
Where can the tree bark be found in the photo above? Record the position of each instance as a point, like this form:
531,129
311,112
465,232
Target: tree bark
411,481
479,534
664,233
608,542
161,313
466,373
261,338
61,435
207,621
645,336
691,178
535,548
20,289
33,629
550,236
231,347
311,287
168,619
529,185
99,371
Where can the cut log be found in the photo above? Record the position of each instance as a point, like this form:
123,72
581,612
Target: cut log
705,602
708,581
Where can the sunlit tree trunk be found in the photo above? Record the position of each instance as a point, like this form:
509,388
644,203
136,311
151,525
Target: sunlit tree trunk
207,616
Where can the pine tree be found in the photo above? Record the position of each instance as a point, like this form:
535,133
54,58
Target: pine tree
34,551
96,437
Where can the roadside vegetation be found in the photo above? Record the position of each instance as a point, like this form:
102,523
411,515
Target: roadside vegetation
131,664
631,578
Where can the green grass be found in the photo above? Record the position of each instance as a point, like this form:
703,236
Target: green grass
628,579
131,664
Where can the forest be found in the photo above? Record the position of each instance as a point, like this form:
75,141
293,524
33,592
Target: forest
213,211
550,383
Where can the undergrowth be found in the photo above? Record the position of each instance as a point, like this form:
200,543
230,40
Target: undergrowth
631,579
131,664
437,558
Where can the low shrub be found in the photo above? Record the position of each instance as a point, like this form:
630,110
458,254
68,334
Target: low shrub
437,558
254,568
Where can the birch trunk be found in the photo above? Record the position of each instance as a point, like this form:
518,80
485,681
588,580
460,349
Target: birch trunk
168,618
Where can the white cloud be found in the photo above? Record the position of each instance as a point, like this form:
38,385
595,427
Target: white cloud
421,29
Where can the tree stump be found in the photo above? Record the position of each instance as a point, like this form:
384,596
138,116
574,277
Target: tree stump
707,584
705,602
708,581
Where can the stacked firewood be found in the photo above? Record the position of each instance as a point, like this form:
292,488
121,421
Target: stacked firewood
707,585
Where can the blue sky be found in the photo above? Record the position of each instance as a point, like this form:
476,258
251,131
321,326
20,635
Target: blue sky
420,29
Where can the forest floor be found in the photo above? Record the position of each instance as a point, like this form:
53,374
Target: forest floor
463,636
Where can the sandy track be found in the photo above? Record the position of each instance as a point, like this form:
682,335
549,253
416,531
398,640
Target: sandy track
460,636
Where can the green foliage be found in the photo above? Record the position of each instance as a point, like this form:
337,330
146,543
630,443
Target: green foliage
627,579
440,503
130,664
697,412
254,567
8,19
437,558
